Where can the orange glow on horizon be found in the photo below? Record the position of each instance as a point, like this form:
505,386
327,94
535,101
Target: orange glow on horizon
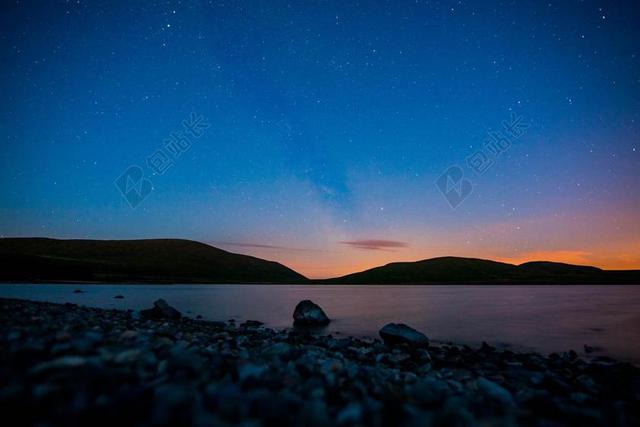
352,261
611,243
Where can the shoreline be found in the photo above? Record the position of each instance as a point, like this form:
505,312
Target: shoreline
311,282
65,364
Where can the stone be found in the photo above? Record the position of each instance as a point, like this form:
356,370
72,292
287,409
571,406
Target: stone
128,335
315,414
87,342
226,400
454,413
350,414
161,310
172,404
127,356
65,362
495,392
251,324
587,383
397,358
62,336
309,314
429,390
487,348
399,333
277,349
249,371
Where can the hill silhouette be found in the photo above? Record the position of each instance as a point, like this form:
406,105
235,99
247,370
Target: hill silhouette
472,270
186,261
153,261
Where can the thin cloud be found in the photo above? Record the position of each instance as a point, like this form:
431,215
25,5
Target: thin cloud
375,244
265,246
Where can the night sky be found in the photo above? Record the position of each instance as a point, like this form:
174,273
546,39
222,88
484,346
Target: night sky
329,136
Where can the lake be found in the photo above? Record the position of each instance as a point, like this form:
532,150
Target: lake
537,318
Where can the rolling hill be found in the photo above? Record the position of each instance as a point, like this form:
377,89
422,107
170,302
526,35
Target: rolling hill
472,270
139,261
186,261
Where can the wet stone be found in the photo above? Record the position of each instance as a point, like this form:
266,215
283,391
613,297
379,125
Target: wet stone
161,310
307,313
399,333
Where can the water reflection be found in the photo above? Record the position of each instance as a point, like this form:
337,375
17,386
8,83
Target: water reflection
541,318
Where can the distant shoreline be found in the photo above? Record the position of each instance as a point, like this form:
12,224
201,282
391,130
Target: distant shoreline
178,261
319,283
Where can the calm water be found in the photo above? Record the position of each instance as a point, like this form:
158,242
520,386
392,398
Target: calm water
541,318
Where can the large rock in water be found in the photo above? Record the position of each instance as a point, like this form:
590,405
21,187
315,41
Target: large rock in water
309,314
161,310
399,333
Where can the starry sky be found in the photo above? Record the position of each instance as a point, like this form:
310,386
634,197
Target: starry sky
329,136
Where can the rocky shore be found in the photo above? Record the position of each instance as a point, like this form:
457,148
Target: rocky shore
72,365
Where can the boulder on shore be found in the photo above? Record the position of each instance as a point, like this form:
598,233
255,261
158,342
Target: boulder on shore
307,313
399,333
161,310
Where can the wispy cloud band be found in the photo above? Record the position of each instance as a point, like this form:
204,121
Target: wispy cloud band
375,244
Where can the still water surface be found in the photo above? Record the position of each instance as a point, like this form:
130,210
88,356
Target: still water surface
540,318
